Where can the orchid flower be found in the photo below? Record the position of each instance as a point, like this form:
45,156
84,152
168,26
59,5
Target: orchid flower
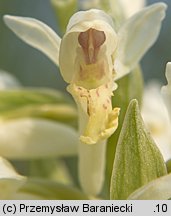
91,56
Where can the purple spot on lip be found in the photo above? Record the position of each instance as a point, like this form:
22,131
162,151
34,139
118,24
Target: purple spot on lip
104,106
90,41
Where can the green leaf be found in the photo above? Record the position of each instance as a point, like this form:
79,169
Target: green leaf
64,9
129,87
36,103
48,190
137,159
159,189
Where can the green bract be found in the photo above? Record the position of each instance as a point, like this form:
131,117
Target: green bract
130,87
137,159
38,103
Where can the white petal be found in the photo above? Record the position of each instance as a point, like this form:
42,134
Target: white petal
36,138
136,36
35,33
166,90
10,181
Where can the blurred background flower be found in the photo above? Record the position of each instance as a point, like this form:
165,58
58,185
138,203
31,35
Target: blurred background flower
156,118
